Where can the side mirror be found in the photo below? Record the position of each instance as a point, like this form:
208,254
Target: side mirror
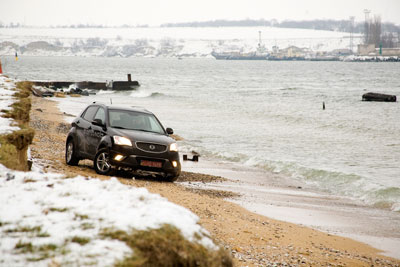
170,131
98,122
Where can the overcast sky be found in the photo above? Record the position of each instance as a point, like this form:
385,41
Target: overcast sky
156,12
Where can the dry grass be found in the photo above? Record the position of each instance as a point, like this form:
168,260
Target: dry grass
80,240
30,231
166,247
14,146
41,252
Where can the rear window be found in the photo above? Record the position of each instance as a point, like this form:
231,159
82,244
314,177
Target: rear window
89,113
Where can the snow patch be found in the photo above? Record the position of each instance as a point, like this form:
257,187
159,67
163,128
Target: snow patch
62,208
6,100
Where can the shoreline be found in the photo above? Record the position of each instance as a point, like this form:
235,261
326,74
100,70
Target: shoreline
252,238
288,200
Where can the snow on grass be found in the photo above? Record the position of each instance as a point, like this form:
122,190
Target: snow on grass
45,217
7,87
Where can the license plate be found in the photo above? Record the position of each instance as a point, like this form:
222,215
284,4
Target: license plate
149,163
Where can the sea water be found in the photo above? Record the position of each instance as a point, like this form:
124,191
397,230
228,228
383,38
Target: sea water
267,115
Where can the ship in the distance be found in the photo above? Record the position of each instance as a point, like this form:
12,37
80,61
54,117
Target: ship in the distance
260,54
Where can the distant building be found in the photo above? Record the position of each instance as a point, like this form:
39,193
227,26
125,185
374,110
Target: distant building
289,52
294,51
341,52
370,50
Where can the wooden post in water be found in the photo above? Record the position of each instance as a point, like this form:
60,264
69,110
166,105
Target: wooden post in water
323,105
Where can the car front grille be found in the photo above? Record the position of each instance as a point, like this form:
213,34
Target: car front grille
151,147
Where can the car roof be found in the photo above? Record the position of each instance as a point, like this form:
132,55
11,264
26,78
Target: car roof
132,108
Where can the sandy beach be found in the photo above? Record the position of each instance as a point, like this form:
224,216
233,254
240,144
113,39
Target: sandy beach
253,239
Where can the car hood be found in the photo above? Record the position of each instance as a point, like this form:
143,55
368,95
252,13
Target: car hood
140,136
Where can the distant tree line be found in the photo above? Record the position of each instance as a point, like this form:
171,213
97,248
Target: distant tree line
378,34
73,26
327,25
79,26
11,25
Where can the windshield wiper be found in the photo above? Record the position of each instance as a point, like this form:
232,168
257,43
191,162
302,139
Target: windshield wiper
120,127
147,131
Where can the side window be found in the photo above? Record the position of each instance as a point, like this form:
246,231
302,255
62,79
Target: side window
155,125
89,113
101,114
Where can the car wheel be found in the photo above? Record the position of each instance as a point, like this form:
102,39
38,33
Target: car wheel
172,177
102,162
70,153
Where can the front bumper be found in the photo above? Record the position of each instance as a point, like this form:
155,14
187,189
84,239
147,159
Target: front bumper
132,158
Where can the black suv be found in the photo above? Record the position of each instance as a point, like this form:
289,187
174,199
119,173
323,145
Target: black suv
115,138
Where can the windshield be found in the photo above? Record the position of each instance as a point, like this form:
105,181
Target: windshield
131,120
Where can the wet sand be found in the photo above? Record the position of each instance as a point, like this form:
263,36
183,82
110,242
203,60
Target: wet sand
289,200
253,239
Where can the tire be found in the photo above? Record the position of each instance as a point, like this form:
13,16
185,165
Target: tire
171,177
101,162
70,153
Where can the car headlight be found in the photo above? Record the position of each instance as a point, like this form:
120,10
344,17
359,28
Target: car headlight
122,141
173,147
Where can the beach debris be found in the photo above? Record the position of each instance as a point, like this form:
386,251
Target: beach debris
69,115
42,92
59,94
378,97
195,158
10,176
177,137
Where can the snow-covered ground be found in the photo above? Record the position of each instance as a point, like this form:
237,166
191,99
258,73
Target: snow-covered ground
43,216
6,100
45,208
155,41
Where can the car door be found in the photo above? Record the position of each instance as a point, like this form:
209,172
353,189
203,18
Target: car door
96,132
83,129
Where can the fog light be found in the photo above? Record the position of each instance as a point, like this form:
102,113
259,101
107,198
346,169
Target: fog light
118,157
175,164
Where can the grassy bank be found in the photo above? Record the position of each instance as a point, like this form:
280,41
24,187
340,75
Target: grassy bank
14,146
166,247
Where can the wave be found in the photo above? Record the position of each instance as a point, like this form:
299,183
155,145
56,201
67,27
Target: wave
333,182
157,94
105,92
289,89
144,94
338,183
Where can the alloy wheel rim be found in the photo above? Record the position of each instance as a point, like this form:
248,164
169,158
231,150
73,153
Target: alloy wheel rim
102,162
70,150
